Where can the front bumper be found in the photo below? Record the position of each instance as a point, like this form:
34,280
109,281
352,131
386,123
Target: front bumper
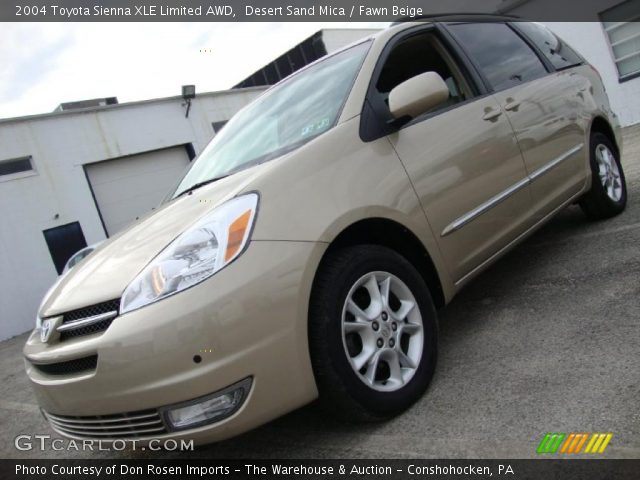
248,320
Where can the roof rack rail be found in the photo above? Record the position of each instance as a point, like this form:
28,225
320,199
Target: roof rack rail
435,16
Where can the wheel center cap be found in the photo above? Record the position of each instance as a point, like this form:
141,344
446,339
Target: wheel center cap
386,331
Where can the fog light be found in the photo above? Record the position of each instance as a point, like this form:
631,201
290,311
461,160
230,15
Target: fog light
209,409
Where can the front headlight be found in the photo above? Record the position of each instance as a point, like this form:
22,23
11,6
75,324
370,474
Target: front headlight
209,245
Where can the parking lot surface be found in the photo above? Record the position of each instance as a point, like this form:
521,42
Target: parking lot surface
547,340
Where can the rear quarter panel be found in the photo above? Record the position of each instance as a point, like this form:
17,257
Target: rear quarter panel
596,103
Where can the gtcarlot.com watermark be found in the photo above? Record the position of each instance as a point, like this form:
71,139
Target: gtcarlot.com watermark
45,442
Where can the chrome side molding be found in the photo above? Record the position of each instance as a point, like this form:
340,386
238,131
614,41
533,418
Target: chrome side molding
555,162
460,222
480,209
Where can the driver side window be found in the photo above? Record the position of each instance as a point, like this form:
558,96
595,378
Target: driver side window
418,54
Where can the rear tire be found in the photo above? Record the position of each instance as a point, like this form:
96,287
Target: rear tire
370,308
608,194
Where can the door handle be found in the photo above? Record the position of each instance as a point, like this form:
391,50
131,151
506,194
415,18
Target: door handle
511,104
491,113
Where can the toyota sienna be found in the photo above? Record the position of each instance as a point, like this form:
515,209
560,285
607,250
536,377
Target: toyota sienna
306,251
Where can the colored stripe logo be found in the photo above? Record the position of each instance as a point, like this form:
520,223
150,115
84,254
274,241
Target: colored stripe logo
572,443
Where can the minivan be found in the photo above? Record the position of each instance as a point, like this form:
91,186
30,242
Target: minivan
307,250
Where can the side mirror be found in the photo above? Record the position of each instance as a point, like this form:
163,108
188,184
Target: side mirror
417,95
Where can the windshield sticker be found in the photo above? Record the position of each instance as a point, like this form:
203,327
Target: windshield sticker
322,124
316,127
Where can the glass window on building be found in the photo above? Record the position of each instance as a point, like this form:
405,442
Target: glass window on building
15,165
624,37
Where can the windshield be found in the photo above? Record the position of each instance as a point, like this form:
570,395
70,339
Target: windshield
283,119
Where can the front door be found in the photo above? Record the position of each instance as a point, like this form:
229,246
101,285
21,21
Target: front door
462,158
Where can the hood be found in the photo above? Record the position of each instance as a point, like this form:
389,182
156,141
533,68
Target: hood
106,273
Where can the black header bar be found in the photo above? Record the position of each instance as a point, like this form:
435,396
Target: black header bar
306,10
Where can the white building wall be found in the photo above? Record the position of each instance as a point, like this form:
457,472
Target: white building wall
590,40
60,144
336,38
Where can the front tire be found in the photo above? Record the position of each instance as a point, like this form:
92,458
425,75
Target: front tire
608,194
372,333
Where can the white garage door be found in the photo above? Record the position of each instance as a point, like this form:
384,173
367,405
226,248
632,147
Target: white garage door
129,187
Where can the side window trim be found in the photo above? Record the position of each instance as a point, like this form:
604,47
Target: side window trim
545,61
550,66
478,80
489,88
370,119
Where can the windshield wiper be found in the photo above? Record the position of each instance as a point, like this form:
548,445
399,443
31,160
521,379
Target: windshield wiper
196,186
256,161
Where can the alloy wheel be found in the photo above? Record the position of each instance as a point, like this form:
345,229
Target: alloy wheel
382,331
609,172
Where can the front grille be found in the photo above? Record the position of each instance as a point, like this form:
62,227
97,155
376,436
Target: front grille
78,365
91,310
86,330
123,425
86,312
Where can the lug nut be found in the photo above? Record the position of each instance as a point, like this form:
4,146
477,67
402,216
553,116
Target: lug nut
375,326
392,342
384,316
394,326
380,343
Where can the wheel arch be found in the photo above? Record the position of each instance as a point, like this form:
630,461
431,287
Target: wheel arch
393,235
602,125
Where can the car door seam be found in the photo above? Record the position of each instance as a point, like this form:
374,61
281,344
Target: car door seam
471,215
506,248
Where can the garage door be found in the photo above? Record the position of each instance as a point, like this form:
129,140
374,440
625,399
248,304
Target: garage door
129,187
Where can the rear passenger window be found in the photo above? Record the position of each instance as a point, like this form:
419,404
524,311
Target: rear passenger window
557,52
505,59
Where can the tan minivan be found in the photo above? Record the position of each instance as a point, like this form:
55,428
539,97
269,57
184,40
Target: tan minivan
306,251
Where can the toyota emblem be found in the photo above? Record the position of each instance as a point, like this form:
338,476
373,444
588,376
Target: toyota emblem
45,330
